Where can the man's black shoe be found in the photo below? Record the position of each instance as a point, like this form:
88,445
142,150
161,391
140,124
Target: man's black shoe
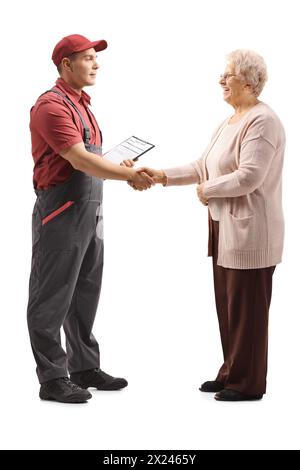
233,395
98,379
211,386
64,391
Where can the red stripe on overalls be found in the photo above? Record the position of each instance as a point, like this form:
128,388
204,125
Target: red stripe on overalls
58,211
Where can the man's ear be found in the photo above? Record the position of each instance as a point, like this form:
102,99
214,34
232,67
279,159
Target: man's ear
67,64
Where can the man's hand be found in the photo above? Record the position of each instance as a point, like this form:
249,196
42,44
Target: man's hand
128,163
157,176
141,181
200,194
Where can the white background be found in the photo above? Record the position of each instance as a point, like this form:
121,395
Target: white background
156,321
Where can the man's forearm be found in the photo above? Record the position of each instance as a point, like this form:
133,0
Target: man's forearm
94,165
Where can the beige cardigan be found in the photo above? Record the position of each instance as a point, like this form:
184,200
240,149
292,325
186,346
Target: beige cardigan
251,226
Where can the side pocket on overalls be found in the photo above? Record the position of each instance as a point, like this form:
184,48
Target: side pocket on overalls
58,211
59,228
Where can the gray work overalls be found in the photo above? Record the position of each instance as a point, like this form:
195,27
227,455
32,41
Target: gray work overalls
66,271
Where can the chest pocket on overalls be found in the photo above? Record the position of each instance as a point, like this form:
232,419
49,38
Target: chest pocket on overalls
59,228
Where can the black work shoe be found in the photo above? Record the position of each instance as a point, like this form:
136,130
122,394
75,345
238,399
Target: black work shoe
98,379
211,386
64,391
234,395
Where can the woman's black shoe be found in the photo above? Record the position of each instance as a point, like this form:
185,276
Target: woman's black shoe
234,395
211,386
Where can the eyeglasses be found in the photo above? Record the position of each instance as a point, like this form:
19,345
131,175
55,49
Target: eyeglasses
224,76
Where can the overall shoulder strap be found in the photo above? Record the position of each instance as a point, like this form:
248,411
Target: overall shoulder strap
86,130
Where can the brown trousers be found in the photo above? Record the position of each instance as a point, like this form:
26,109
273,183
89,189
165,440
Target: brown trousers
243,298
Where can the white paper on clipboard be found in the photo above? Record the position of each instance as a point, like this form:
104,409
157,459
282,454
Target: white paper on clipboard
130,149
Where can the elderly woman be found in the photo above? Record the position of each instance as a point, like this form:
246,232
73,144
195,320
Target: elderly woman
239,177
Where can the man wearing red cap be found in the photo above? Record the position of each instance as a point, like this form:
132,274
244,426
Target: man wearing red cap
67,227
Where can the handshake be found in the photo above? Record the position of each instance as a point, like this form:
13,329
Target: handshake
143,178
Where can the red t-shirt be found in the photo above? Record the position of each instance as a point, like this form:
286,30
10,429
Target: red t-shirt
54,126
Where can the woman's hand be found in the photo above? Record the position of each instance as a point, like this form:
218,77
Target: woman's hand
157,175
200,194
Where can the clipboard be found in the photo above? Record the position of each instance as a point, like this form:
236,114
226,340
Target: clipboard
130,149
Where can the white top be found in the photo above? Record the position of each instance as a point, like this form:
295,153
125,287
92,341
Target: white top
212,164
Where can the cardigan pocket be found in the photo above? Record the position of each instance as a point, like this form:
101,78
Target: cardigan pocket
241,233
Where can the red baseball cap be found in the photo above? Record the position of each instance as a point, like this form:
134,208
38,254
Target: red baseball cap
75,43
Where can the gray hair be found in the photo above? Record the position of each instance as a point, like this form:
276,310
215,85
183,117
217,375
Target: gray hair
251,66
